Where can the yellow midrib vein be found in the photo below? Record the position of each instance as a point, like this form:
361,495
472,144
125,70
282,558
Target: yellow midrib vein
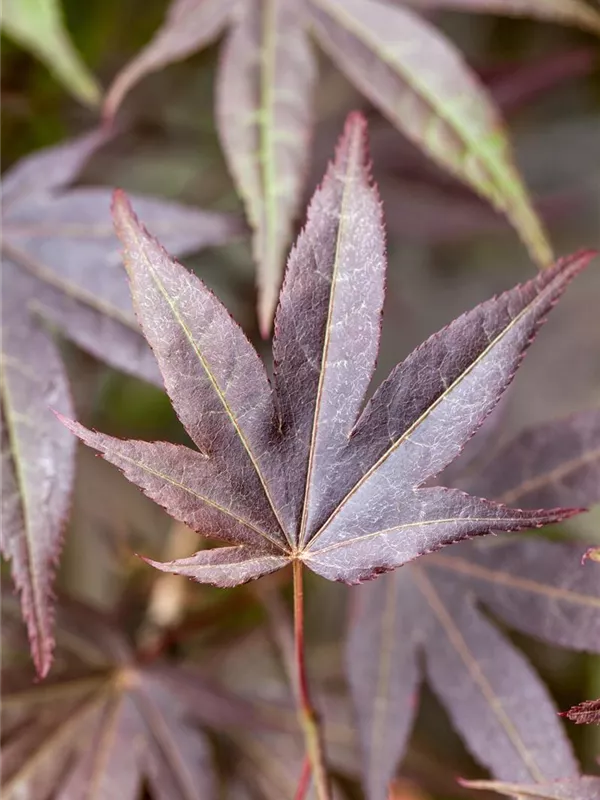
212,503
446,393
461,647
102,748
159,285
464,567
327,341
343,17
415,524
547,478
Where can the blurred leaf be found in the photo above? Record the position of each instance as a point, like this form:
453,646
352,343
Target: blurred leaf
189,26
62,269
264,102
104,722
497,703
421,83
566,12
584,788
38,26
556,463
263,96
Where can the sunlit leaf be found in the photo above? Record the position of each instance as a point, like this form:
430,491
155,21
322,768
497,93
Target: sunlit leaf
38,26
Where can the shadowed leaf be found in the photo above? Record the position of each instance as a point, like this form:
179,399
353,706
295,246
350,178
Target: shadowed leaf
497,703
62,268
289,473
103,724
38,26
558,462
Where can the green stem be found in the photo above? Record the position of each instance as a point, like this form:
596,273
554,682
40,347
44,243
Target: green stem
307,715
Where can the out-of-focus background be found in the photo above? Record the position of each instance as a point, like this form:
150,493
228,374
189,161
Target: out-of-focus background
447,251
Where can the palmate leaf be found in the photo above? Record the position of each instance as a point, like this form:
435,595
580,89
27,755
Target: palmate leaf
297,471
105,723
398,60
497,703
38,26
586,787
109,719
62,268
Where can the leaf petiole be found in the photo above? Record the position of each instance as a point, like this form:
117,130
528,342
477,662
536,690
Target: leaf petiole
307,716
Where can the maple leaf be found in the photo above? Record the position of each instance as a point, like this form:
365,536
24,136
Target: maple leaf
587,787
496,701
105,722
301,470
62,269
109,719
264,100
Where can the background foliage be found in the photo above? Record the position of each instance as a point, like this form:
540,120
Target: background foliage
447,251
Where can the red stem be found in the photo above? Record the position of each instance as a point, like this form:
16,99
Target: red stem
304,782
306,713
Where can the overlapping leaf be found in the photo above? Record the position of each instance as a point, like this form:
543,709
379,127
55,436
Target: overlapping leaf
62,269
298,472
401,63
497,703
420,82
104,724
38,25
